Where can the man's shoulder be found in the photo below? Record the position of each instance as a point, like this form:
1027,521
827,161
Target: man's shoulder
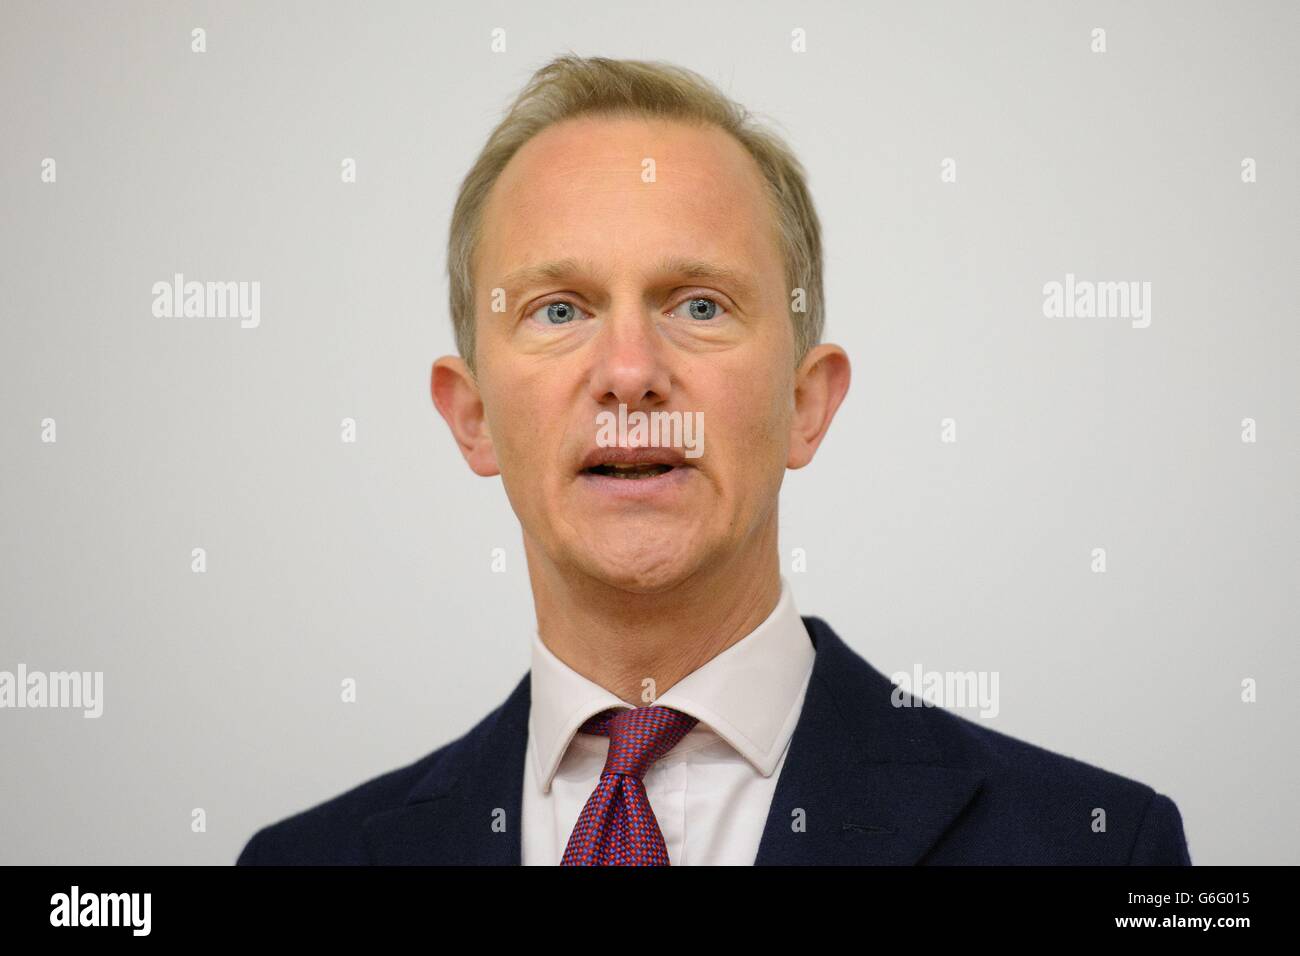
330,833
1033,800
1046,800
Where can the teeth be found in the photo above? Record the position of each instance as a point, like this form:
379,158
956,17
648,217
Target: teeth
632,470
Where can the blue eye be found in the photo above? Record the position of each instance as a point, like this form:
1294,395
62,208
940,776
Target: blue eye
701,308
557,313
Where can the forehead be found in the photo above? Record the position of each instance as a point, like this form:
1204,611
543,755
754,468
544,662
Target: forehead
578,190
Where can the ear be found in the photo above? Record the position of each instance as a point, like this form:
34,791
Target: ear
456,395
820,385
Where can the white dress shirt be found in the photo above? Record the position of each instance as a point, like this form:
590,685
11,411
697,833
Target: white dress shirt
711,793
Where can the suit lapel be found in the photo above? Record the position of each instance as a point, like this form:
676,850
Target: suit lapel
863,781
468,808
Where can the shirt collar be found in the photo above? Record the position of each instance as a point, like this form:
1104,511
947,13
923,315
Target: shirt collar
748,695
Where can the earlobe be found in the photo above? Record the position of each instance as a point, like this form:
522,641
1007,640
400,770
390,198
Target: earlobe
820,386
456,396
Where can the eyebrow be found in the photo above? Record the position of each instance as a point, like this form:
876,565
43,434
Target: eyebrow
678,266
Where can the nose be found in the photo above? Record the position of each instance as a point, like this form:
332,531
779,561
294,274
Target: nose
630,367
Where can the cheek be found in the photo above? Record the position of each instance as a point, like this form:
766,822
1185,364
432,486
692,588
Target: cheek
507,426
752,429
527,435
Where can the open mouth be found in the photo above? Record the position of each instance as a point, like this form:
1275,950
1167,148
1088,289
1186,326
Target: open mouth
631,472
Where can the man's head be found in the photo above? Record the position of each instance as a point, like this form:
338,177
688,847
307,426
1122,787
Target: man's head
629,237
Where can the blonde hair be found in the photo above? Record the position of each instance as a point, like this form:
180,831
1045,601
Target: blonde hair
572,86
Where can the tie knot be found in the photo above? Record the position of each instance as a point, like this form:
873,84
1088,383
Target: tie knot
638,737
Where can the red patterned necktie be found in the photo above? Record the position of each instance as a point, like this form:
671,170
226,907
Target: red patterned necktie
617,827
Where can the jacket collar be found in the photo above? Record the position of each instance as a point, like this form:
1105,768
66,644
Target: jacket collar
863,782
750,695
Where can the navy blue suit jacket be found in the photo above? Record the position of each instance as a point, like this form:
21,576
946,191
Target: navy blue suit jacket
876,784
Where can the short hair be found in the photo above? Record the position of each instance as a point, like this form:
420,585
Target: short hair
571,86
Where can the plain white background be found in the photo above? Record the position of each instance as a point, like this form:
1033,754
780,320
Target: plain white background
372,561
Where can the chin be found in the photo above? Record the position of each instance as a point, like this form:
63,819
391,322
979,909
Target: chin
641,570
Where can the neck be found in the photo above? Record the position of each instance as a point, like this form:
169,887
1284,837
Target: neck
621,639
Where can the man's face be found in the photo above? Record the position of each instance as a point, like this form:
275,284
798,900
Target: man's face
632,330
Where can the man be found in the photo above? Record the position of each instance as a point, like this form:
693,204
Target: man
630,244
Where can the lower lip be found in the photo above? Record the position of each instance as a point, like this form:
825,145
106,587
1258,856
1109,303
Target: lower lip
637,489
